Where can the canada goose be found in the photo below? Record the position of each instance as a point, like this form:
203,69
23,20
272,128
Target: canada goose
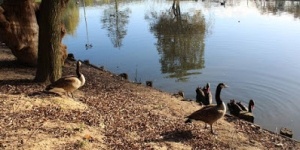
68,83
204,95
200,96
207,92
237,110
211,113
248,115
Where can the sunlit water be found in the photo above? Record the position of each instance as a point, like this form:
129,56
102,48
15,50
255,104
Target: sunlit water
245,45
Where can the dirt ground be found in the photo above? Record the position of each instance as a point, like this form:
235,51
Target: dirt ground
109,112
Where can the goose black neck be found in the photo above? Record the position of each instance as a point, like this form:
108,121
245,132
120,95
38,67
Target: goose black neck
249,107
218,97
77,70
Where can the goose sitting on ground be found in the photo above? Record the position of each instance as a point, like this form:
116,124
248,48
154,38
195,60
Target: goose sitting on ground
68,83
237,110
204,96
211,113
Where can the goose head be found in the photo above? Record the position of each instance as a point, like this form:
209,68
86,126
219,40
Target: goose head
222,85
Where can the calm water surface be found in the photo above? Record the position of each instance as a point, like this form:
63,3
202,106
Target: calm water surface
253,46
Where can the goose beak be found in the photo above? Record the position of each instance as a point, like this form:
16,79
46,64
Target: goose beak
226,86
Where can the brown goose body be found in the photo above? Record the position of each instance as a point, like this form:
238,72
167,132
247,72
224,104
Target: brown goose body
68,83
210,113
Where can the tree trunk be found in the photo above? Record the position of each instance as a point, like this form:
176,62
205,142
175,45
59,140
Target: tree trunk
49,56
19,29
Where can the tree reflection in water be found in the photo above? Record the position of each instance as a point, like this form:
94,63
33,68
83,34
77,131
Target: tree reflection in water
115,21
71,17
278,6
180,41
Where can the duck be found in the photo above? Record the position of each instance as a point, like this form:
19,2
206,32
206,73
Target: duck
210,113
68,84
240,111
203,96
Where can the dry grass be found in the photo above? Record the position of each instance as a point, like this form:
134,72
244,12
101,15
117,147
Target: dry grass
111,113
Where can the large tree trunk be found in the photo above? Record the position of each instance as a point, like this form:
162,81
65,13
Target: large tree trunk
49,56
19,29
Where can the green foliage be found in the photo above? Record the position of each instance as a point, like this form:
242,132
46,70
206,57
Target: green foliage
70,17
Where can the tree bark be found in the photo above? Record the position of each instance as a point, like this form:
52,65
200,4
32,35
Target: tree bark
49,66
19,29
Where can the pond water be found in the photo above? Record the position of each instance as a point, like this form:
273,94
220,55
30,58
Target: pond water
252,46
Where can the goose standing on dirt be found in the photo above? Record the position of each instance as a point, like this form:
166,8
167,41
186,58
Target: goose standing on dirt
68,83
211,113
239,110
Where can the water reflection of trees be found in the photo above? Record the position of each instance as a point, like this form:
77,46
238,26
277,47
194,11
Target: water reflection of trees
71,17
217,3
279,6
180,41
115,20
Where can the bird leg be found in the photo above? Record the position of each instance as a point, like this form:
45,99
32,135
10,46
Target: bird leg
212,131
72,95
205,127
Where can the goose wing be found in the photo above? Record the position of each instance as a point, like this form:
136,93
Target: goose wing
207,114
64,82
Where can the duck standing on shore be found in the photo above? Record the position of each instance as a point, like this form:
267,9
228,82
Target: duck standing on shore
210,113
68,83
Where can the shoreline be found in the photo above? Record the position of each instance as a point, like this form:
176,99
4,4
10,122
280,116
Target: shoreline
115,114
